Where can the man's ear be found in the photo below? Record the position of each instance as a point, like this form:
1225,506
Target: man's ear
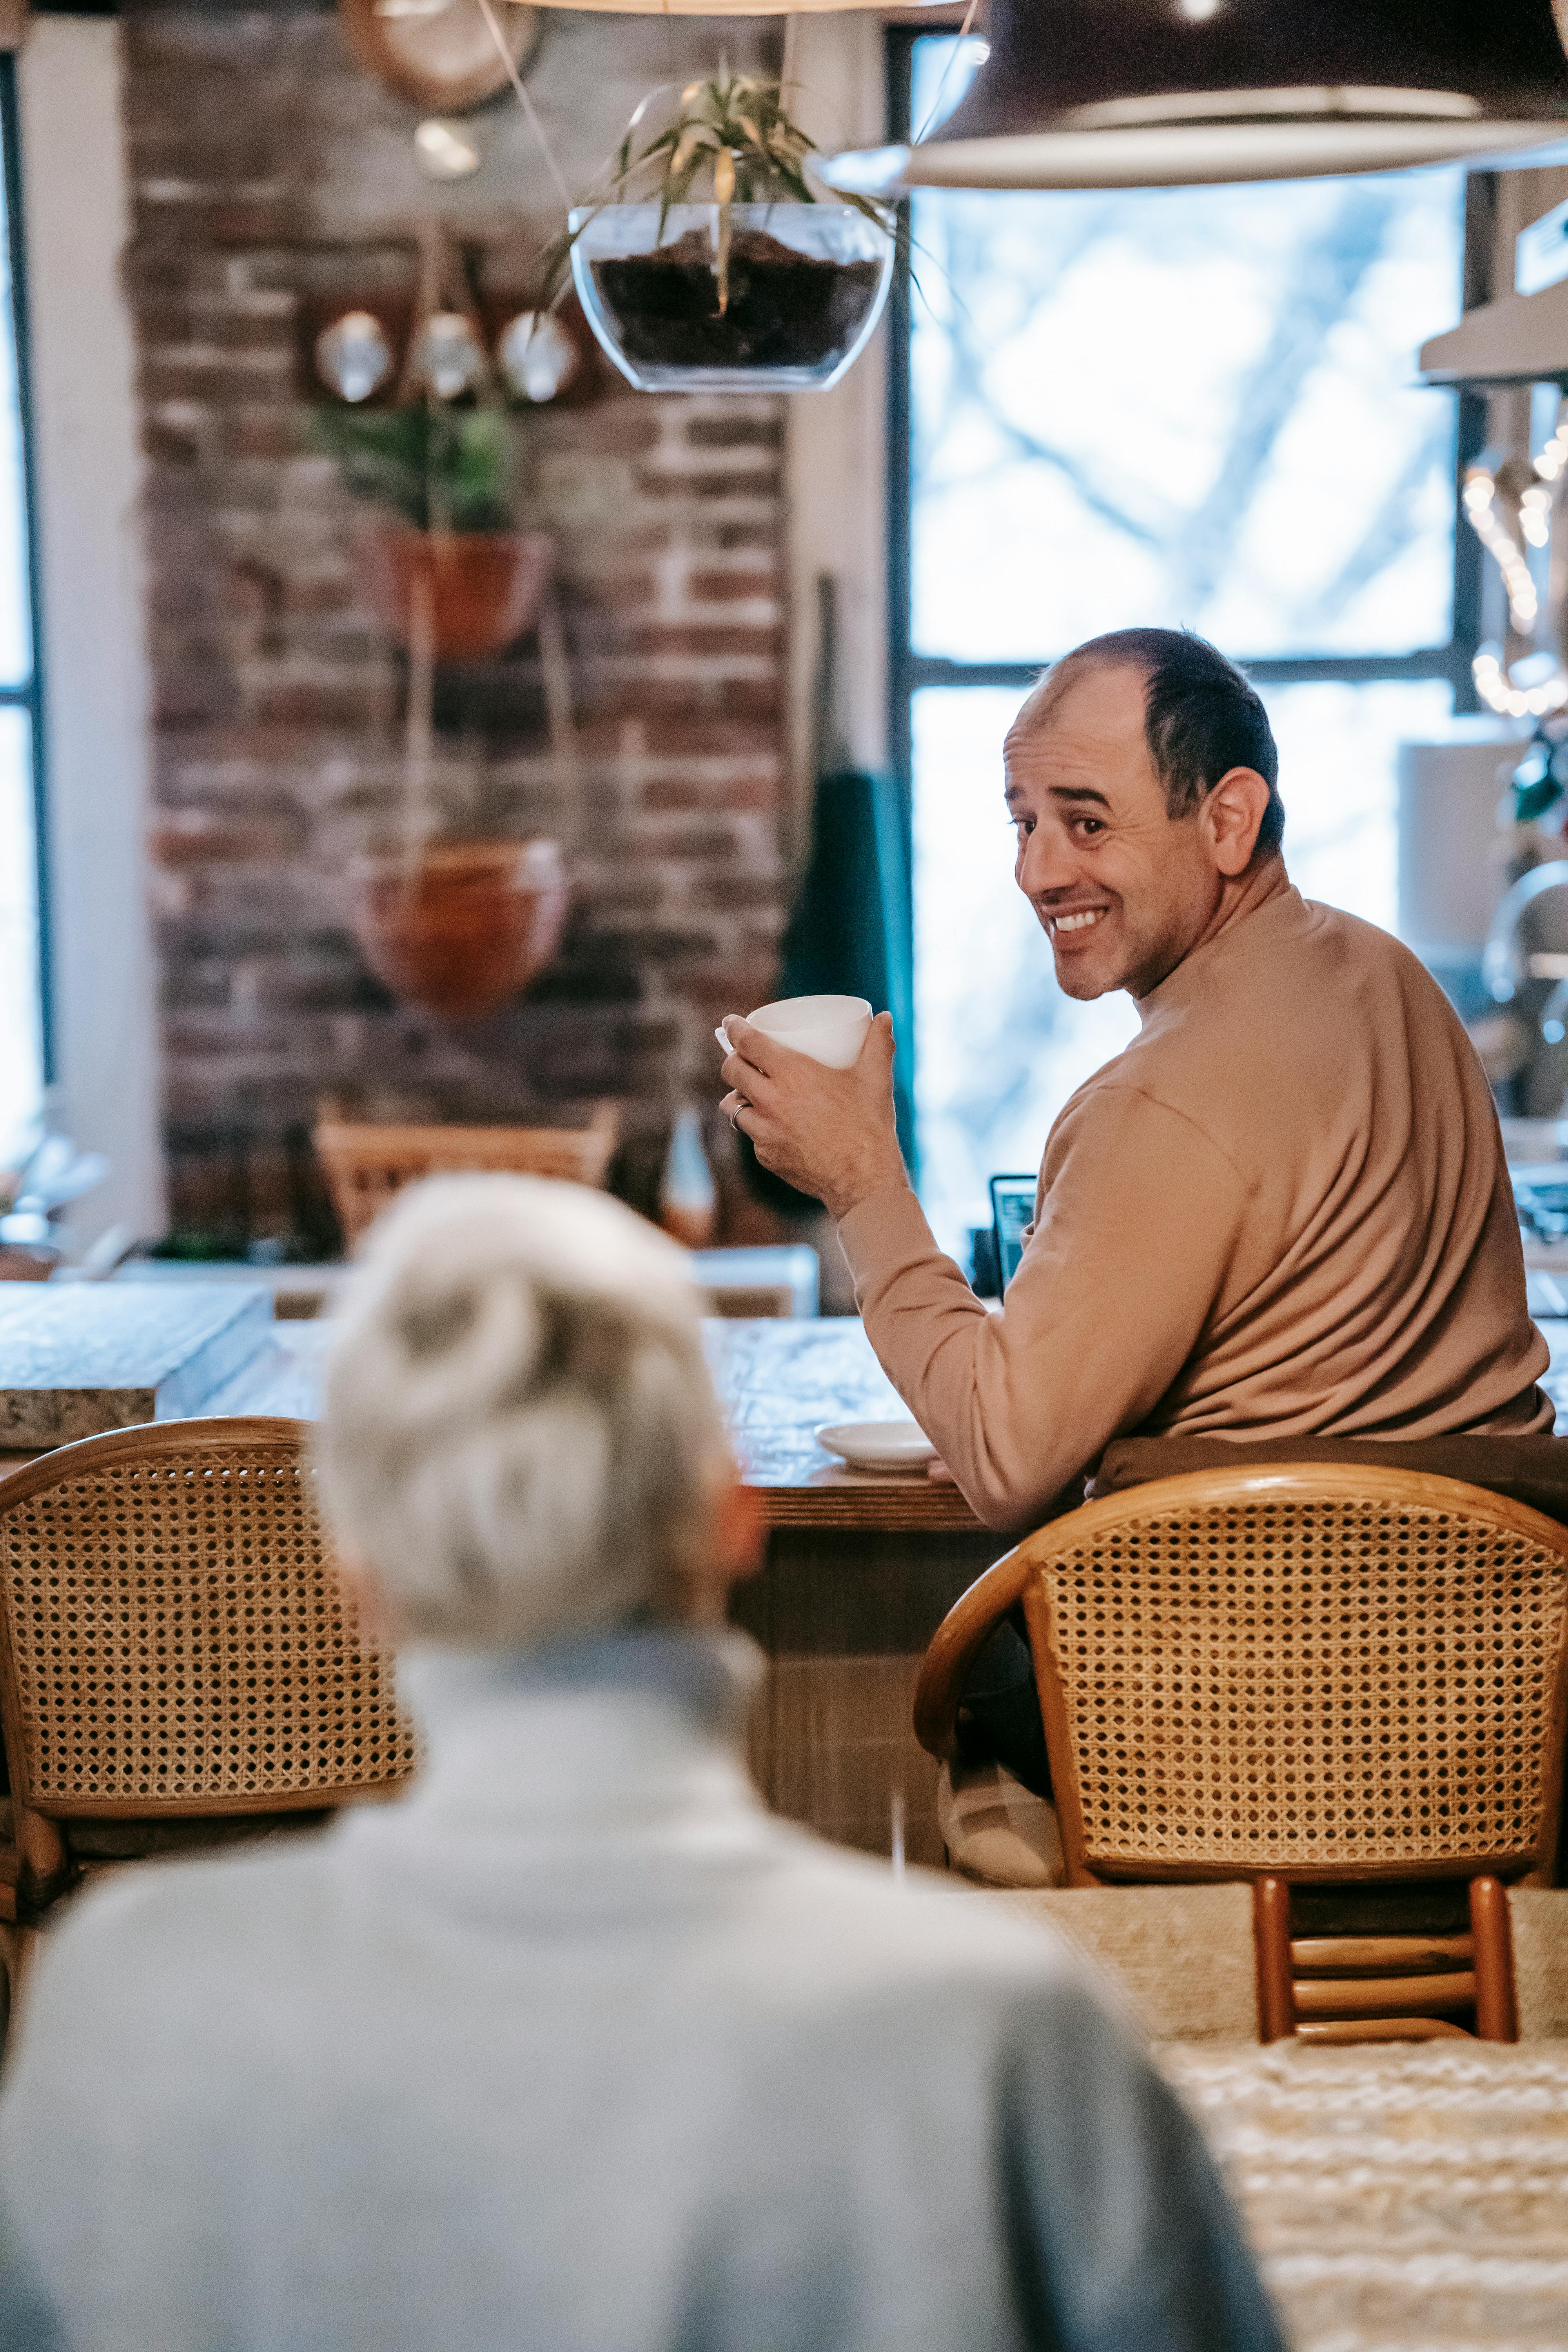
1231,814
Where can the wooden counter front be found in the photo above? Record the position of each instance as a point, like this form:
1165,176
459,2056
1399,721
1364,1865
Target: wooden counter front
859,1571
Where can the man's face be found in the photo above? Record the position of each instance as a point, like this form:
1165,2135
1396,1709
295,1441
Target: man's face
1122,889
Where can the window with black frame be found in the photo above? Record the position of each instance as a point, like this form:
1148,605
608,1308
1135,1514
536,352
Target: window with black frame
1184,407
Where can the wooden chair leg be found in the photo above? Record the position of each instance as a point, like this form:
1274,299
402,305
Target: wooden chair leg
1497,2010
45,1860
1271,1943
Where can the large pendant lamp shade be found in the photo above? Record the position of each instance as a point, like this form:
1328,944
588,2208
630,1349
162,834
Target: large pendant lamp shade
1156,94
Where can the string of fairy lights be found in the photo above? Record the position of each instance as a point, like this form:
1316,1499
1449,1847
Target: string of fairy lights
1532,683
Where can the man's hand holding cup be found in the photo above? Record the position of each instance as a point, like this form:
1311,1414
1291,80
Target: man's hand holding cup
812,1086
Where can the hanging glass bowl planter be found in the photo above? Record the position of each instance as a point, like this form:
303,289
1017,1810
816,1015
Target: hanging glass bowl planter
805,287
706,260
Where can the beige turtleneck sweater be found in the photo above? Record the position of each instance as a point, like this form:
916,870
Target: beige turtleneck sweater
1282,1211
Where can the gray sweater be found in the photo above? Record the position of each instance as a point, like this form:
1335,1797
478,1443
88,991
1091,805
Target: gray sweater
577,2050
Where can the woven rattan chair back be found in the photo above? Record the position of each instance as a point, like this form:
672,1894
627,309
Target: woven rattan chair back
366,1165
174,1639
1318,1672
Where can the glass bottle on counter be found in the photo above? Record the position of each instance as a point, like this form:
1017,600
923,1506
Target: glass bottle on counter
689,1199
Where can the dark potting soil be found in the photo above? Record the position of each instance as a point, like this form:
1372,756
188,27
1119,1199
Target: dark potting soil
785,310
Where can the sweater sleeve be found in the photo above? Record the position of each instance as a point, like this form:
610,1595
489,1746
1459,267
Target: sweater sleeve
1129,2240
1137,1220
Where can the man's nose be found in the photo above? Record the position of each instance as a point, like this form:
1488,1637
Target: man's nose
1047,863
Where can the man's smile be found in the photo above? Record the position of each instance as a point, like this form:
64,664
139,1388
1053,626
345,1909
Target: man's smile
1081,919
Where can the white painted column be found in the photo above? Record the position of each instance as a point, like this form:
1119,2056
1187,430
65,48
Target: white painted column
837,450
87,473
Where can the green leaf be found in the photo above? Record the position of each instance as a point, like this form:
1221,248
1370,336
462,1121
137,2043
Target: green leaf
884,216
675,192
742,113
429,466
797,184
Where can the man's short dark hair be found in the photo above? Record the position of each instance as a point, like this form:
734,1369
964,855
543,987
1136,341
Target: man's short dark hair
1200,717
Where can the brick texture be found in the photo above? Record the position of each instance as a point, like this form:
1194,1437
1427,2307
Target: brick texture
270,176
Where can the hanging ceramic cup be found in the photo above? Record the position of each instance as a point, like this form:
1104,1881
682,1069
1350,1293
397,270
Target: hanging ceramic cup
537,356
449,358
353,358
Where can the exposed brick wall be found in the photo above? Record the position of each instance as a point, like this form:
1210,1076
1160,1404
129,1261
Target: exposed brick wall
268,172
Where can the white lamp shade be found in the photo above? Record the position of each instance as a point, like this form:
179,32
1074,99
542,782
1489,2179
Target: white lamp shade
1163,158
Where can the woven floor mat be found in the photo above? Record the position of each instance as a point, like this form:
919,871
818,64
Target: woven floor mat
1411,2198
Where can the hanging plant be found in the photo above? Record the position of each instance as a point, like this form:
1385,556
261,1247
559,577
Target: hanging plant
441,461
705,258
461,927
439,468
446,475
455,927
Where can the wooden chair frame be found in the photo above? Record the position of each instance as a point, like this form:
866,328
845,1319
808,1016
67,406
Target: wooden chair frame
1022,1577
366,1164
41,1810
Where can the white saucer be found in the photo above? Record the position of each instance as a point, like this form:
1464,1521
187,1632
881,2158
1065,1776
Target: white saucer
877,1445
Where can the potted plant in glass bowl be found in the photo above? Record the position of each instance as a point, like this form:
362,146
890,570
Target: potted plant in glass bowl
707,261
443,477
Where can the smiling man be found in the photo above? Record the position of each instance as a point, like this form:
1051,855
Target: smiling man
1282,1211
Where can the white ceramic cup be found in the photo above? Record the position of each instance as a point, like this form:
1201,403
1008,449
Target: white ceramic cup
831,1029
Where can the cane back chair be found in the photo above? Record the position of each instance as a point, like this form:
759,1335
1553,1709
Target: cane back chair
1314,1678
177,1663
365,1164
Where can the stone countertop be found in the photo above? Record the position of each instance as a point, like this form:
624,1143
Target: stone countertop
283,1378
779,1380
79,1357
788,1268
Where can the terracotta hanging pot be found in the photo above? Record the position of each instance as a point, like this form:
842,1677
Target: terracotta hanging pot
485,586
459,927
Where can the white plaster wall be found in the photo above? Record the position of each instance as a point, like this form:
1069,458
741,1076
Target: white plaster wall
837,447
88,521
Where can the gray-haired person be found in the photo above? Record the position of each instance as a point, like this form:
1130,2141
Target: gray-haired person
577,2048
